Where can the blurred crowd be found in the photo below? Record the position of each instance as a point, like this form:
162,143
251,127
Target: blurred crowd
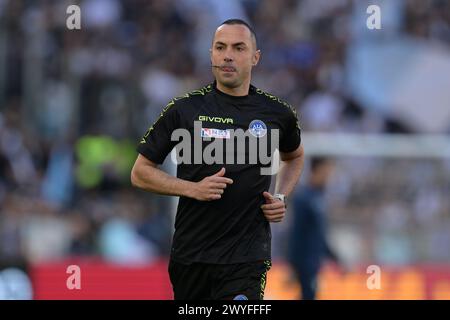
73,104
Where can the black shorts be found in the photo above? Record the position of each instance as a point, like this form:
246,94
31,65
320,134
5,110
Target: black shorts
201,281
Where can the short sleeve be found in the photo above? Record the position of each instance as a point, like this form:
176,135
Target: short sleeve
290,131
156,144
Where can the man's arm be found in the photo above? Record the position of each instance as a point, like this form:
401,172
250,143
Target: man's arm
147,176
290,170
291,167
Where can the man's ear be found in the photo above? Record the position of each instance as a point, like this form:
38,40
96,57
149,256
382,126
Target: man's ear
210,55
256,57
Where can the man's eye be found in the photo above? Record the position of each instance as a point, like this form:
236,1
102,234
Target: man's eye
240,49
219,48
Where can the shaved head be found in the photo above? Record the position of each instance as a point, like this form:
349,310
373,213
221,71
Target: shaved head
232,22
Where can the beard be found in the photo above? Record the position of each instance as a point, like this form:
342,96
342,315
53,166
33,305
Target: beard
230,81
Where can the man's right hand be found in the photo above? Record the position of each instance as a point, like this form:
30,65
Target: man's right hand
210,188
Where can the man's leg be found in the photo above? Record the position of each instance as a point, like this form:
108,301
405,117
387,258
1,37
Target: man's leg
190,281
245,281
308,282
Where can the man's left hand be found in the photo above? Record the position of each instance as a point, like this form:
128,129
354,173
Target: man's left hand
274,209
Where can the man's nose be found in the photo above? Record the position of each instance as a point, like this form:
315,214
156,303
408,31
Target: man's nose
228,56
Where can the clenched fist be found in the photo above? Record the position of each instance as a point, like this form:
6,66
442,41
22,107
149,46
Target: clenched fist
274,210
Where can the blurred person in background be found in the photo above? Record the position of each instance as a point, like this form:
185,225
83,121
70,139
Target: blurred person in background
308,244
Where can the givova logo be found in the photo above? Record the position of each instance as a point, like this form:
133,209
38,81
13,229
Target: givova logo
215,119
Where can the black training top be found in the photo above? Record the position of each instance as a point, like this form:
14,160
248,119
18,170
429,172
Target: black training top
232,229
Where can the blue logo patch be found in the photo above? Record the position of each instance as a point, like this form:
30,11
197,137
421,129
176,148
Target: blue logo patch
257,128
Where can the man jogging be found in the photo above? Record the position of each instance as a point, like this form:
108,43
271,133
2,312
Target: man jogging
222,243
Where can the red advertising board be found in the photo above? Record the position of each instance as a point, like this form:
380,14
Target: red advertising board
101,280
